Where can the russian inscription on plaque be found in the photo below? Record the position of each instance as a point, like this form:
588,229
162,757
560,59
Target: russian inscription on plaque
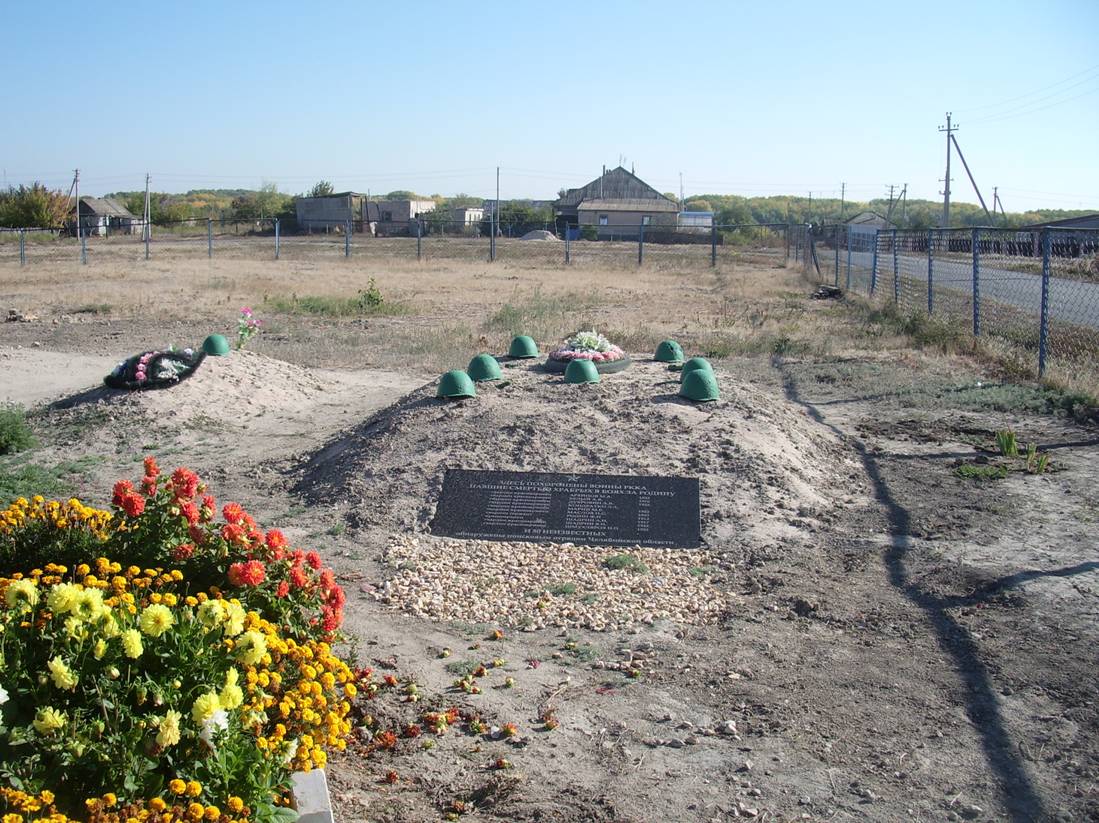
597,509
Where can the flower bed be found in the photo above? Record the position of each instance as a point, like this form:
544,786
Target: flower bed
589,345
158,665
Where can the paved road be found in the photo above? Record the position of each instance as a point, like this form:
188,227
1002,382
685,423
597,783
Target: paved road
1070,301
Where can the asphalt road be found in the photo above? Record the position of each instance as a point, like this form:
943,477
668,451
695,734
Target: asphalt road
1070,301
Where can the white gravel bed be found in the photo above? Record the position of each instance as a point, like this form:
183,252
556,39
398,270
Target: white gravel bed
528,585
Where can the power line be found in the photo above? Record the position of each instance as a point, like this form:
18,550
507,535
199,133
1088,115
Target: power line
1025,111
1037,91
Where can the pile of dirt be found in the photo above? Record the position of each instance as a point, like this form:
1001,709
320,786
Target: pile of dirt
766,472
539,234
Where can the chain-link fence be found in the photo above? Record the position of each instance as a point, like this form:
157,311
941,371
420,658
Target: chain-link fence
1035,294
603,245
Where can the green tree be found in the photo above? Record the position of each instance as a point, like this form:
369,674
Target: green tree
698,205
322,188
34,206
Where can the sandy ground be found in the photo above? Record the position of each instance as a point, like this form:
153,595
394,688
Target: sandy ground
900,643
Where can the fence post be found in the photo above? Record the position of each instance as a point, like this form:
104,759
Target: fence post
1043,330
347,239
148,237
84,249
847,238
209,237
278,239
874,266
568,246
930,273
494,226
713,244
22,247
786,259
641,245
976,283
419,240
896,273
836,261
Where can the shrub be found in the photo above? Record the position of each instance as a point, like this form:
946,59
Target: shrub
617,562
15,434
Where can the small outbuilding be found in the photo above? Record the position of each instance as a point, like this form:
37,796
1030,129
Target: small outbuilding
105,216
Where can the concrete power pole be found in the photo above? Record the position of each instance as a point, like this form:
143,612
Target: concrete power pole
76,189
948,130
148,216
843,200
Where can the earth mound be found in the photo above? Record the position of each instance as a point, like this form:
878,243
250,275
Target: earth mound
767,476
539,234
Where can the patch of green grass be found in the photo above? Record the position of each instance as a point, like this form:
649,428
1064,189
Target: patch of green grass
581,652
15,432
540,315
367,303
618,562
562,589
589,599
29,479
92,308
972,471
336,529
701,572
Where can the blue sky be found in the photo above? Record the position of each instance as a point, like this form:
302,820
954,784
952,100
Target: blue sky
741,98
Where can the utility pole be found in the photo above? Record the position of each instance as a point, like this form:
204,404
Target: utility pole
904,204
76,189
147,217
948,130
809,217
996,201
681,191
965,165
889,212
843,200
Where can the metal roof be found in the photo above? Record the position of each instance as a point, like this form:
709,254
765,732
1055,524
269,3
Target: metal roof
633,204
616,184
104,207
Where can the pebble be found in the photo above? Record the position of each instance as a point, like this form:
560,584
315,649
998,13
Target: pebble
509,583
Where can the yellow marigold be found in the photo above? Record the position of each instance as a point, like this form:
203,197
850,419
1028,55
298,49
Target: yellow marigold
131,643
46,796
169,599
157,804
212,813
177,786
109,799
194,788
156,619
235,804
62,676
195,811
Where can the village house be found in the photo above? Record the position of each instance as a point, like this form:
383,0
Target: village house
105,216
617,204
383,217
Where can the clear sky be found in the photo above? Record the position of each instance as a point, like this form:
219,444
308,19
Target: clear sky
741,98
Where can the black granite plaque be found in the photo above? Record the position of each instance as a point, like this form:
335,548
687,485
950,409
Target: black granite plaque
594,509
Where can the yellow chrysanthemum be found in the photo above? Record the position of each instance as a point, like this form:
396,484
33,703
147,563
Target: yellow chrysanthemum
234,619
204,707
155,620
61,674
251,647
168,729
99,649
63,598
211,614
21,595
131,643
89,605
48,720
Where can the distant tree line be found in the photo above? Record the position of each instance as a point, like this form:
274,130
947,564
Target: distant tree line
39,206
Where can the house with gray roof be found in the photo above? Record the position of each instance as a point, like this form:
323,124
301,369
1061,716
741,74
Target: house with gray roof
618,204
105,216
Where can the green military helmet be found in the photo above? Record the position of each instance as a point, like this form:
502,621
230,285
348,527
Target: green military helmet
669,352
700,386
523,347
695,364
215,345
456,384
483,367
581,371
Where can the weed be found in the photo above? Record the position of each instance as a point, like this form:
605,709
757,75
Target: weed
589,599
562,589
15,433
367,302
701,572
618,562
92,308
1036,463
972,471
1006,443
336,529
29,479
463,668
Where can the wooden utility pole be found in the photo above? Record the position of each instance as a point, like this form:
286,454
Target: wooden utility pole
948,129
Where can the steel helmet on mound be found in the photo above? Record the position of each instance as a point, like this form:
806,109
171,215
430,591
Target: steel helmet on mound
455,384
700,386
483,367
581,371
669,352
523,347
695,364
215,345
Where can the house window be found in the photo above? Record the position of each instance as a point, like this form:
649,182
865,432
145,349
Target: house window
602,220
387,216
646,219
